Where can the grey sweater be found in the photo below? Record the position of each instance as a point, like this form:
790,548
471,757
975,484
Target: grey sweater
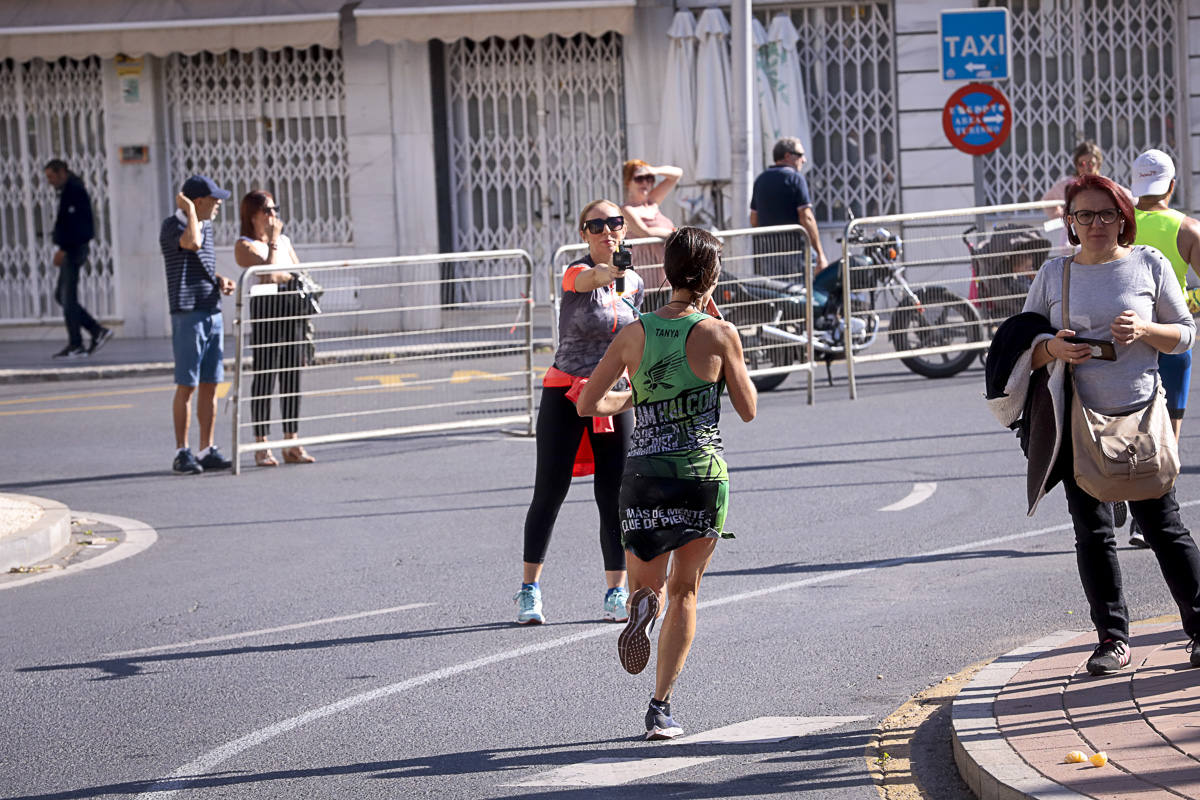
1143,281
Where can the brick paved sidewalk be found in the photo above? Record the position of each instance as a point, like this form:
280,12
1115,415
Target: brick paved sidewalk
1020,716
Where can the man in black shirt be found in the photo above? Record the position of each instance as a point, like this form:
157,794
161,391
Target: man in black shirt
73,229
781,197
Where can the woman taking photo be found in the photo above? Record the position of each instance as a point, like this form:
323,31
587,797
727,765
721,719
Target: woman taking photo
593,311
644,193
676,487
278,344
1129,295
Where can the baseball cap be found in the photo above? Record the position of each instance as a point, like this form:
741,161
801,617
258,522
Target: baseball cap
1153,172
203,186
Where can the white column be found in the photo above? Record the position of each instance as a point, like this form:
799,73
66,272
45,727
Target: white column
743,96
933,174
136,198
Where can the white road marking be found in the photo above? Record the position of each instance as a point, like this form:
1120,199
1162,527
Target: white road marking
764,730
264,631
616,771
611,771
138,537
182,778
919,494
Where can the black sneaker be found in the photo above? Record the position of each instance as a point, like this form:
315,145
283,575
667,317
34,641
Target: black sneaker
186,463
633,645
214,460
71,352
659,724
1111,656
1193,650
100,340
1120,513
1135,535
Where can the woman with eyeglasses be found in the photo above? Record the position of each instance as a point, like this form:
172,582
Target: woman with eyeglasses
278,344
1127,294
644,193
598,300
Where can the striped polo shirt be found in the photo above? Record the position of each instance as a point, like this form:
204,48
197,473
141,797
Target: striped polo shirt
191,274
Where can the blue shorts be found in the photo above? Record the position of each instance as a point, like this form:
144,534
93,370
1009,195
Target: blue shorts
1175,372
198,339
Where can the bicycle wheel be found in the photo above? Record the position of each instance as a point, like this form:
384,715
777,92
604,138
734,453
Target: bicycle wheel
760,354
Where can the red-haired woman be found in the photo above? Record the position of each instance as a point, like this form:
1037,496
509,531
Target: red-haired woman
1128,294
278,344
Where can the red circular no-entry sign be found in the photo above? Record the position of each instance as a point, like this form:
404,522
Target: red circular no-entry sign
977,118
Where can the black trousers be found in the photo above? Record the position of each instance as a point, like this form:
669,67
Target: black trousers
1096,553
559,429
278,353
66,293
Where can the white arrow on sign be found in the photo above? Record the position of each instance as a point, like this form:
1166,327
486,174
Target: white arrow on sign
974,67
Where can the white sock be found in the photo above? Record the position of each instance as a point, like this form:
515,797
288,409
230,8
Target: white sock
204,452
180,450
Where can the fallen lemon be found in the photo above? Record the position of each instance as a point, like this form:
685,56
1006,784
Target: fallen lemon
1075,757
1099,759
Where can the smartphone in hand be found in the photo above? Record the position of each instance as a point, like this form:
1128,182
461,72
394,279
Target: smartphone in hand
1102,349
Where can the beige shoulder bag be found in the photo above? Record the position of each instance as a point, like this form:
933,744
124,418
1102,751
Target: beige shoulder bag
1133,457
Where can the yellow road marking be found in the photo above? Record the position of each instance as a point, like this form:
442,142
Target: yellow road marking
222,390
394,381
467,375
63,410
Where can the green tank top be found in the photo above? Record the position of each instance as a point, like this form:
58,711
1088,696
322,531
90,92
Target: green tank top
1161,229
676,434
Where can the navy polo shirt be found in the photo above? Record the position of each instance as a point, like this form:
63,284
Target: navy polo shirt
191,274
778,193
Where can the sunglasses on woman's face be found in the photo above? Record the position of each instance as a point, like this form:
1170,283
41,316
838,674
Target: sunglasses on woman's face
643,179
597,225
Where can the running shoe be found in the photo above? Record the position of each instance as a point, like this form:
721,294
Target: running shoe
71,351
633,645
1111,656
1135,535
186,464
659,724
99,340
1193,650
616,603
214,460
1120,513
529,606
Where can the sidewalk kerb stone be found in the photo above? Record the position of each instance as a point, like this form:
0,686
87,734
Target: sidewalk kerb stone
40,540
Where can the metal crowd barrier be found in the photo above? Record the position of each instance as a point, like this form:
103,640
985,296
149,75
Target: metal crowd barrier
760,291
410,344
929,288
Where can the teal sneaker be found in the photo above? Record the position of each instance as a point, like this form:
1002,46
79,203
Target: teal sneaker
616,604
529,606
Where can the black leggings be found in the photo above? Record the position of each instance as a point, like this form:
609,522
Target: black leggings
559,429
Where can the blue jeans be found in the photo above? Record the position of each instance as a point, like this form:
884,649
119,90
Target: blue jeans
66,293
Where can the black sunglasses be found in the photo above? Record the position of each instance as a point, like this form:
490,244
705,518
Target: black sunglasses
597,225
643,179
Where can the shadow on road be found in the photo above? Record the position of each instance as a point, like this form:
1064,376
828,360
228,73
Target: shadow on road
796,758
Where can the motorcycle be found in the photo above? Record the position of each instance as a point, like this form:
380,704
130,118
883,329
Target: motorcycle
770,315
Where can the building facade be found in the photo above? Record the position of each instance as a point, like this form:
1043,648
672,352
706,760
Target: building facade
402,127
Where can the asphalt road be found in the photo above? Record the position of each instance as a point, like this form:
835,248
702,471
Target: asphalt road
237,656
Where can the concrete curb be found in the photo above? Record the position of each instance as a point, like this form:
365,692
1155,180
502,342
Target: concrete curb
87,373
45,537
988,764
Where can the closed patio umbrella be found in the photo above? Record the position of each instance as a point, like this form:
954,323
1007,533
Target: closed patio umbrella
713,145
767,63
791,105
676,136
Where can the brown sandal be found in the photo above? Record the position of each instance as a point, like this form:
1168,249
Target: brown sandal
297,455
263,458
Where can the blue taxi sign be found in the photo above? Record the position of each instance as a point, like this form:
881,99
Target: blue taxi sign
975,44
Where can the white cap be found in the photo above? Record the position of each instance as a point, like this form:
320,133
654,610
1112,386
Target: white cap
1153,172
